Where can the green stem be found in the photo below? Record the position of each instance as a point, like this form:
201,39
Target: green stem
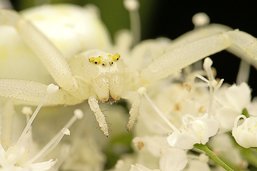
213,156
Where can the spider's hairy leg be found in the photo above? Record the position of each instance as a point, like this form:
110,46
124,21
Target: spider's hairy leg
94,106
32,93
199,33
244,46
49,55
150,49
135,100
172,61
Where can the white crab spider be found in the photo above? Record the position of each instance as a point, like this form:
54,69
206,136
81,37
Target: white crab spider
108,76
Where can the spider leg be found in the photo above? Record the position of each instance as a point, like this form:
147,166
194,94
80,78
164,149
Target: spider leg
148,50
32,93
244,46
49,55
237,42
135,99
199,33
94,106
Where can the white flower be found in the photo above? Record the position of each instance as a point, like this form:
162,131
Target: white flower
154,144
230,103
139,167
84,153
124,163
149,150
196,165
170,159
23,154
245,133
20,155
173,160
195,131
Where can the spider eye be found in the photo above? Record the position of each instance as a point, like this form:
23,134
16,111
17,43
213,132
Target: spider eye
91,60
103,64
95,60
116,57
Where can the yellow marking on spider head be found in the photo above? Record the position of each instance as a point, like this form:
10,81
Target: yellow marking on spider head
111,58
96,60
115,57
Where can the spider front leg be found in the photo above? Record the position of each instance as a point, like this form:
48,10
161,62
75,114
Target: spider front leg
100,118
34,93
134,98
199,33
237,42
150,49
49,55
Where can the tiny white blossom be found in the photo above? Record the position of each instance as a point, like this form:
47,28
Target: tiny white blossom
230,103
153,144
195,131
23,154
194,165
131,5
200,19
139,167
18,157
173,160
170,159
245,133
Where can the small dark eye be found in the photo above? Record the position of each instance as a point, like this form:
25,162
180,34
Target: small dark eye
103,64
95,62
111,63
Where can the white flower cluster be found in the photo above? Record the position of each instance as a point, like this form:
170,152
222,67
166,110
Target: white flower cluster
180,117
23,154
193,116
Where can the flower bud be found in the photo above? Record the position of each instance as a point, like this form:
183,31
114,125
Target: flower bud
245,133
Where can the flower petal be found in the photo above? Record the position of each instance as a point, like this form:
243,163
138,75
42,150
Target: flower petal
181,140
173,160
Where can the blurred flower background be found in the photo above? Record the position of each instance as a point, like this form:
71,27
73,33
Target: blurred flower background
171,18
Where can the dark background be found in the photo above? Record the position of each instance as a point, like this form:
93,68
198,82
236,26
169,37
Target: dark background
174,18
171,18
